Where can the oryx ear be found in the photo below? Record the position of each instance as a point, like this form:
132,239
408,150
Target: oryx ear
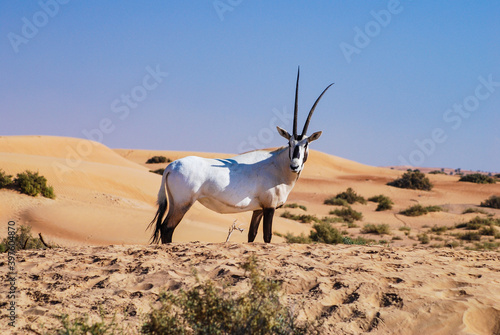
283,133
314,136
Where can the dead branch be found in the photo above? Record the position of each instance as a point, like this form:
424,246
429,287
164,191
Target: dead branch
233,228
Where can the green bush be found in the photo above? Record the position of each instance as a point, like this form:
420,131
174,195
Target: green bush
478,222
347,214
31,183
384,203
414,180
5,179
356,241
290,238
492,202
437,172
158,159
350,196
380,229
478,178
439,229
206,309
325,233
418,210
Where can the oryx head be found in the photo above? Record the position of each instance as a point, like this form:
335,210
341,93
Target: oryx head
298,145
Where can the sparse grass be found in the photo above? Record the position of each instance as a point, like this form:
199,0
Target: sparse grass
492,202
379,229
206,309
356,241
290,238
304,218
295,205
475,210
158,159
418,210
478,178
470,236
414,180
347,214
349,196
384,203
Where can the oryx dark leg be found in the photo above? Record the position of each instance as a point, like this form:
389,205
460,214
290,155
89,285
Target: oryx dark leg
174,217
268,224
254,225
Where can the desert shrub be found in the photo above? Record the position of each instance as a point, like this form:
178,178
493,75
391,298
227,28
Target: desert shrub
477,223
158,171
478,178
497,175
351,196
414,180
437,172
336,202
418,210
347,214
294,205
384,203
423,238
485,245
439,229
31,183
325,233
304,218
492,202
356,241
158,159
379,229
23,240
290,238
489,231
206,309
470,236
5,179
83,326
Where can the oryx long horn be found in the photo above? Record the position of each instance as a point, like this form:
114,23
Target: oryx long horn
312,110
295,110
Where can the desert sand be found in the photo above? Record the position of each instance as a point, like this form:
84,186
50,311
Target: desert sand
105,199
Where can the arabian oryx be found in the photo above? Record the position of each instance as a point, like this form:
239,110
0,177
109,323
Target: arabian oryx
257,181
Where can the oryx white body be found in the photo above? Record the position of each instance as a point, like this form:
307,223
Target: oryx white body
223,186
258,181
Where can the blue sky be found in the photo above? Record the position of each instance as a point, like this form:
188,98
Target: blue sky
415,81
